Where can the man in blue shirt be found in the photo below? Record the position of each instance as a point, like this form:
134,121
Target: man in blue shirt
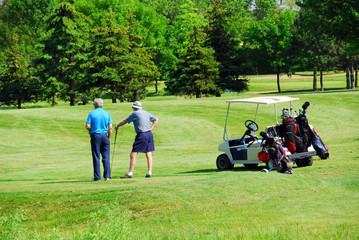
99,125
144,139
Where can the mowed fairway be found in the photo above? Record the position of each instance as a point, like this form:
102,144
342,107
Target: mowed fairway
46,168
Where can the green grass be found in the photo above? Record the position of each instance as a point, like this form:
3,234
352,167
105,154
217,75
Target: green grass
45,172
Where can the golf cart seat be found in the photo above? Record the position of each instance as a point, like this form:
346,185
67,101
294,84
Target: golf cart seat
237,141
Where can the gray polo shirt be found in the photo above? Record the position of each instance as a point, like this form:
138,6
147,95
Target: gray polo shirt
141,120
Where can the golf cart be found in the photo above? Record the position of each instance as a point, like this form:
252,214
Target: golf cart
245,149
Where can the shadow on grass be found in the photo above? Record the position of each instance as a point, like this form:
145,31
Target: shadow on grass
24,107
235,169
69,181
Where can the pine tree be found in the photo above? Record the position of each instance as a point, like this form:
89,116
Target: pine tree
225,48
64,52
197,70
110,46
138,69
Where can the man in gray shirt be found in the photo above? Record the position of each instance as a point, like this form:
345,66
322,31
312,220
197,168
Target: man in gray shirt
144,139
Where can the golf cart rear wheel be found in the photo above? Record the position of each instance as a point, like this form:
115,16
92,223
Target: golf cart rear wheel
223,163
304,162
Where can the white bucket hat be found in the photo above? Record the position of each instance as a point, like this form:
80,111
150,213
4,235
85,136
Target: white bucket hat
137,104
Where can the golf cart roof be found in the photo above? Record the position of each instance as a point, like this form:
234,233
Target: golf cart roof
264,100
259,100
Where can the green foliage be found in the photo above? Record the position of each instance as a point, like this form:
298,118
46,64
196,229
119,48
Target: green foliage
110,45
16,82
197,71
339,18
225,49
55,38
64,51
185,23
272,36
31,14
139,69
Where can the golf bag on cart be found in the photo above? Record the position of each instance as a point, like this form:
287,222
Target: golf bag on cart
276,155
309,135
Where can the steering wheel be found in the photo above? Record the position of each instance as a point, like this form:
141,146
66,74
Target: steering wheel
251,125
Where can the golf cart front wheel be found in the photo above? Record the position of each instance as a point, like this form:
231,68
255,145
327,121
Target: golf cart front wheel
223,163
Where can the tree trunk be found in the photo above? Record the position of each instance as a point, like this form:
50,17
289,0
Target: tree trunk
347,76
352,76
72,99
356,76
134,96
114,98
122,97
18,103
278,84
321,81
315,79
198,94
156,86
54,100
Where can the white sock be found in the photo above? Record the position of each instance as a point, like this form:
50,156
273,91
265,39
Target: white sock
149,172
130,173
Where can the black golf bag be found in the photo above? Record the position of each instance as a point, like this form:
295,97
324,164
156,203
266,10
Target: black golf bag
293,136
277,154
299,135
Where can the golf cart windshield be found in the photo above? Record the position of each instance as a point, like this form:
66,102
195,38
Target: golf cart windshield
258,101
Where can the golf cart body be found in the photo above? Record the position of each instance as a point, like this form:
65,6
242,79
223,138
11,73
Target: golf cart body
244,150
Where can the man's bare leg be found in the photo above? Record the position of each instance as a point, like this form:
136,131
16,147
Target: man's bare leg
149,160
133,157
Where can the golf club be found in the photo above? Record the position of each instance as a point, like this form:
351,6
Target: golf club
113,154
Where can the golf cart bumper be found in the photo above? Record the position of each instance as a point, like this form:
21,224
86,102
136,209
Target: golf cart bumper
310,153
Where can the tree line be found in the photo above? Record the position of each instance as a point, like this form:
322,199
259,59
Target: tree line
77,49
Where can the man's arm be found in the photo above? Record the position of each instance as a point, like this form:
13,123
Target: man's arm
123,122
109,131
154,124
88,127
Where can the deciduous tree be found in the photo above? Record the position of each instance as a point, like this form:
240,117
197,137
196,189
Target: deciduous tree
17,86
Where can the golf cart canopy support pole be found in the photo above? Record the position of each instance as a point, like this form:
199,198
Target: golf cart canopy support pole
225,135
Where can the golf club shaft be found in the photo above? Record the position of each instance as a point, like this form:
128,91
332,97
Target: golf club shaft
113,154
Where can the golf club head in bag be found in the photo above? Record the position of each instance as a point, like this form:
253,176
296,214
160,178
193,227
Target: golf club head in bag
277,154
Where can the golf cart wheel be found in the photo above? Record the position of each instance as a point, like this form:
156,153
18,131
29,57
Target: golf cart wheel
223,163
304,162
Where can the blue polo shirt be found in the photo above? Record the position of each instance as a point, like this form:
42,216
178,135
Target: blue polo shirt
99,120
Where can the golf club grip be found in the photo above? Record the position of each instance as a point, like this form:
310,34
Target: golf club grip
263,135
305,105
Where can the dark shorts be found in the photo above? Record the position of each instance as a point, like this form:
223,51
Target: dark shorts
143,143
